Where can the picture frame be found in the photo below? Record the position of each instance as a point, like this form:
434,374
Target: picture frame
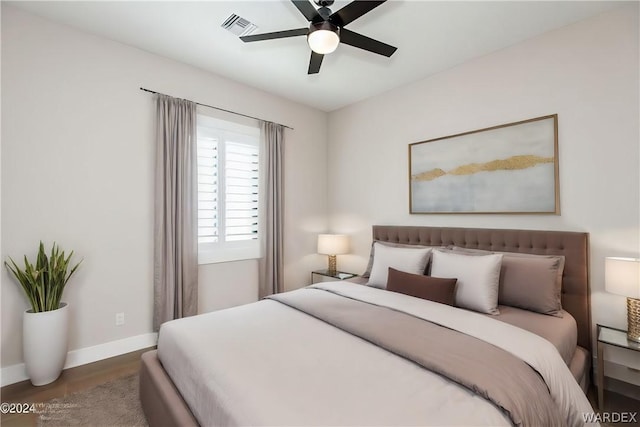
505,169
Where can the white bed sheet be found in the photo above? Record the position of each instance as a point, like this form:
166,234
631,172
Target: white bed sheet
268,364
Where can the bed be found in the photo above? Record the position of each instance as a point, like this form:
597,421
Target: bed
273,363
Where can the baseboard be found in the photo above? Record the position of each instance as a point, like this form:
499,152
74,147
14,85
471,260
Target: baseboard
16,373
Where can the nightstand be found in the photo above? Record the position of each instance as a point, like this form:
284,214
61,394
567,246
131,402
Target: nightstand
617,338
326,276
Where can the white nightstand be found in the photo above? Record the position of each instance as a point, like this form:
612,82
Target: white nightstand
326,276
617,338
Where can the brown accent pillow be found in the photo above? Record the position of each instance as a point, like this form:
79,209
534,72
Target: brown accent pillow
425,287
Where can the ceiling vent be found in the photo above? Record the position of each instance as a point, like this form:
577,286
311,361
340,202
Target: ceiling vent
238,25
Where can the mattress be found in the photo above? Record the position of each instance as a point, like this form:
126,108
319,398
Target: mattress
562,332
268,364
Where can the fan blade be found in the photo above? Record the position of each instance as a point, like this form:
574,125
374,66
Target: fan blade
275,35
306,9
366,43
315,62
353,11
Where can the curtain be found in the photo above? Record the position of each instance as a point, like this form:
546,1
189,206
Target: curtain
175,279
271,263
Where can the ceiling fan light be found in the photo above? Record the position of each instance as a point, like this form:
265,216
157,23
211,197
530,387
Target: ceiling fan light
323,37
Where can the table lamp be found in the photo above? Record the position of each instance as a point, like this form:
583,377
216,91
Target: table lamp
622,277
332,245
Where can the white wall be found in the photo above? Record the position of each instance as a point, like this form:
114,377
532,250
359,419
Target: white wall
77,168
586,72
227,284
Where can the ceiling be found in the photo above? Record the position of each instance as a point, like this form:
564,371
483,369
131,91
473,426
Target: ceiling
431,36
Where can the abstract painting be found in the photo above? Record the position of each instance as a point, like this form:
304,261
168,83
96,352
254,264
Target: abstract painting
511,168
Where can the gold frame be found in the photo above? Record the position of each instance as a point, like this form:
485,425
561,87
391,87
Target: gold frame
556,162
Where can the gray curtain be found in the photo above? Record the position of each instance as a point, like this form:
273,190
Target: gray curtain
271,263
175,278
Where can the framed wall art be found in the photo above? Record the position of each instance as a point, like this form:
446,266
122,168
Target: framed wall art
511,168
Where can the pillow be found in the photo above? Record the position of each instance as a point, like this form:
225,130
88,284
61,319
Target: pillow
531,282
478,278
367,272
411,260
420,286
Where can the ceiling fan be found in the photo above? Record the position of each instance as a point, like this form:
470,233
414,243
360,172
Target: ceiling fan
327,30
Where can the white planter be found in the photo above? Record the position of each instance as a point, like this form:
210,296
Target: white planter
45,343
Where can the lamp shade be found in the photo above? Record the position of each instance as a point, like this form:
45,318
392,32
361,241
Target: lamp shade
333,244
622,276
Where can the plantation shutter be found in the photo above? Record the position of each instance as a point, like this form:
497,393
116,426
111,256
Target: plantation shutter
208,190
241,191
228,191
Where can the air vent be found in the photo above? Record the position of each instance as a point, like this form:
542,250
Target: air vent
238,25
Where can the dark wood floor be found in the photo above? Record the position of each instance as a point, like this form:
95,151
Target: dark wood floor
72,380
91,375
614,402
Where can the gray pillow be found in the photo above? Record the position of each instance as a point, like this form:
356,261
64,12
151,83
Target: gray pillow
531,282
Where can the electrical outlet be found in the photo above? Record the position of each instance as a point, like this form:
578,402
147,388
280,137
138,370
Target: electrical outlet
119,319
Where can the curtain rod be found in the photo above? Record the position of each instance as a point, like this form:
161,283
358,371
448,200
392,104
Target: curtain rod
216,108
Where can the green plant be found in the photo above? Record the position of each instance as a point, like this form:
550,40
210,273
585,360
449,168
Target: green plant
44,282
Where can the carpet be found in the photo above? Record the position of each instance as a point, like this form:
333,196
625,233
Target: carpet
114,403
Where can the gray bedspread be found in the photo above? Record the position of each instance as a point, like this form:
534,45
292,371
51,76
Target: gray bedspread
495,374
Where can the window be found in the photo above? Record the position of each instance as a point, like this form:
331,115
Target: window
228,191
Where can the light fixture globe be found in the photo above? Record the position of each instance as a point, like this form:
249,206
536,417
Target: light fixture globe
323,37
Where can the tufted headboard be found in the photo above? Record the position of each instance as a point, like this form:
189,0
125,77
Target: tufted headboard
574,246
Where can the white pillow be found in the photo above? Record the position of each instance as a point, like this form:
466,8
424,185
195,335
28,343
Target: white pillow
410,260
478,278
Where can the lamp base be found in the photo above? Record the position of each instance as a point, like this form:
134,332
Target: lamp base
332,265
633,319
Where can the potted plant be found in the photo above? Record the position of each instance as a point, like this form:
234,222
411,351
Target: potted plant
45,324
